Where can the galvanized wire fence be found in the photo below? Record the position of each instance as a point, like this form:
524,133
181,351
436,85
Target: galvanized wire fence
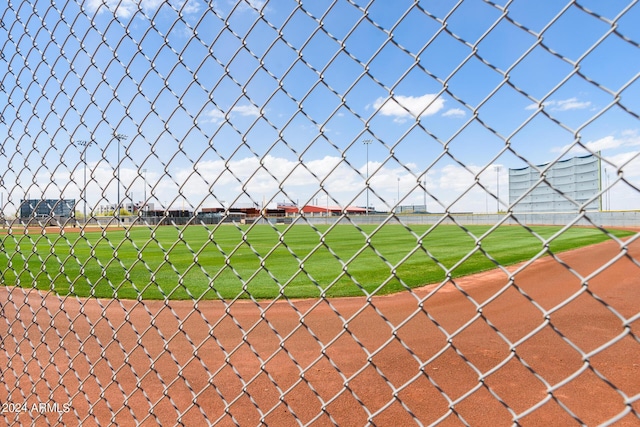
225,212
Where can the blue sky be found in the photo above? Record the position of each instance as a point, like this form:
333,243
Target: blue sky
263,102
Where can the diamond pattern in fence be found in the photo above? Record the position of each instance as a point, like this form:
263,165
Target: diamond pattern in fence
334,212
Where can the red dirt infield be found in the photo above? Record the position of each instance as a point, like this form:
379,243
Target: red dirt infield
401,359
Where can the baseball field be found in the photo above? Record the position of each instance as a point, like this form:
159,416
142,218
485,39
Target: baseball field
263,261
548,349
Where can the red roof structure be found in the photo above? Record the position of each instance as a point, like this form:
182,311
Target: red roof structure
313,209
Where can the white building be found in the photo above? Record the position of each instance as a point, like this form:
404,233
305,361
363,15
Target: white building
567,185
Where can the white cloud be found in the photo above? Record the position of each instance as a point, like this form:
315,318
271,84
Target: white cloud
246,110
213,116
571,104
629,162
256,4
216,116
455,178
562,105
606,143
122,9
126,8
454,113
190,6
404,107
621,195
273,179
628,138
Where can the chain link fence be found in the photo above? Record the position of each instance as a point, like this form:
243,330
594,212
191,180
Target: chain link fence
313,212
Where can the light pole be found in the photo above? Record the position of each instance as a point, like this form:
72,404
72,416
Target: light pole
327,203
120,137
607,193
498,167
398,209
367,142
144,203
83,158
425,195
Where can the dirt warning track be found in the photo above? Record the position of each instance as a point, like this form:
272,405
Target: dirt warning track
546,340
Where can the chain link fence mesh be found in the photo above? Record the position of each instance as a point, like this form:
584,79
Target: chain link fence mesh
223,212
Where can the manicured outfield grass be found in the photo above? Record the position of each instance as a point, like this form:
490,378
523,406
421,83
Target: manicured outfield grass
230,261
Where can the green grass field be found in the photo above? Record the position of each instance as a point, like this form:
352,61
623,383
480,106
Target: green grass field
230,261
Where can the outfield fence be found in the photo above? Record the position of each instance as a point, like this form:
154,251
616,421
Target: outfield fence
361,115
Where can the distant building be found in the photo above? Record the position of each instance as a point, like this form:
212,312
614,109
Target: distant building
134,208
568,184
312,210
412,209
47,208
